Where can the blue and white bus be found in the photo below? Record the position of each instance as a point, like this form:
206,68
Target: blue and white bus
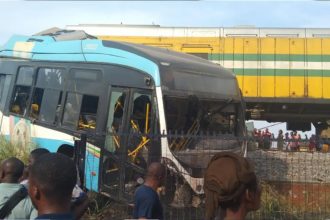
54,88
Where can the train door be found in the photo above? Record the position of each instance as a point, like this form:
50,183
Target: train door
251,66
297,86
126,152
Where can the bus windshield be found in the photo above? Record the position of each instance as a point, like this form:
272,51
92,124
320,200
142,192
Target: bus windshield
193,116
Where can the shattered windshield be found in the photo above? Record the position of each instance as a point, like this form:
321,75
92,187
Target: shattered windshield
194,117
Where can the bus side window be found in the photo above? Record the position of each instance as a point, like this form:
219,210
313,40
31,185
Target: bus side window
71,110
2,82
87,117
2,88
36,103
22,90
47,96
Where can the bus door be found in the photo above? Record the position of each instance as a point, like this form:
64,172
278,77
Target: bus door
126,152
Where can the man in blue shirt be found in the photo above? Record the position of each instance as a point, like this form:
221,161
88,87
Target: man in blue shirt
147,203
51,181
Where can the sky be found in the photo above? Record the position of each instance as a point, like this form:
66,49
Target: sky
29,17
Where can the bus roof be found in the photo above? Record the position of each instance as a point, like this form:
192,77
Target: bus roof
88,49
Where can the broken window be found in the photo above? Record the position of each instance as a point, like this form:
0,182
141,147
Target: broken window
140,119
193,116
115,120
87,117
80,111
22,91
139,143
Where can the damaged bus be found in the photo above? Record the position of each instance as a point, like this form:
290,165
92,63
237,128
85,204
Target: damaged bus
135,104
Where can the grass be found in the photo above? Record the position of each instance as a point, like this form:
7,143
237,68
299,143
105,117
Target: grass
8,149
102,207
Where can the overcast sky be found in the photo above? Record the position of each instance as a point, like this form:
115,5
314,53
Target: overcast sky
29,17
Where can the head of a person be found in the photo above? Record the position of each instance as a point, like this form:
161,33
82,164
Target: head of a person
156,172
51,180
230,183
35,154
66,150
11,170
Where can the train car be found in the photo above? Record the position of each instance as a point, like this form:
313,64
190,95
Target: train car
283,73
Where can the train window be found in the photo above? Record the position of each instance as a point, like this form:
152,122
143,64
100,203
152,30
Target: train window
22,91
201,55
87,117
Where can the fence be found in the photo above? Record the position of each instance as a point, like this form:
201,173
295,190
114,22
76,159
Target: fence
295,179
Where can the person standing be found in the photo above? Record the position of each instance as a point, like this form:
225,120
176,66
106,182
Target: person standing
287,141
51,181
273,142
146,200
34,155
11,170
280,141
267,138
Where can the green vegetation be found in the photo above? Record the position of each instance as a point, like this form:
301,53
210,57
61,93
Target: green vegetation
8,149
102,207
273,205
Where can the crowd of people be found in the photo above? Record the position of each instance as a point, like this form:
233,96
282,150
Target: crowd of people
292,141
48,188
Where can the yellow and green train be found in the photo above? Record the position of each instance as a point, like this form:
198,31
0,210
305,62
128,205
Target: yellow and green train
283,73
